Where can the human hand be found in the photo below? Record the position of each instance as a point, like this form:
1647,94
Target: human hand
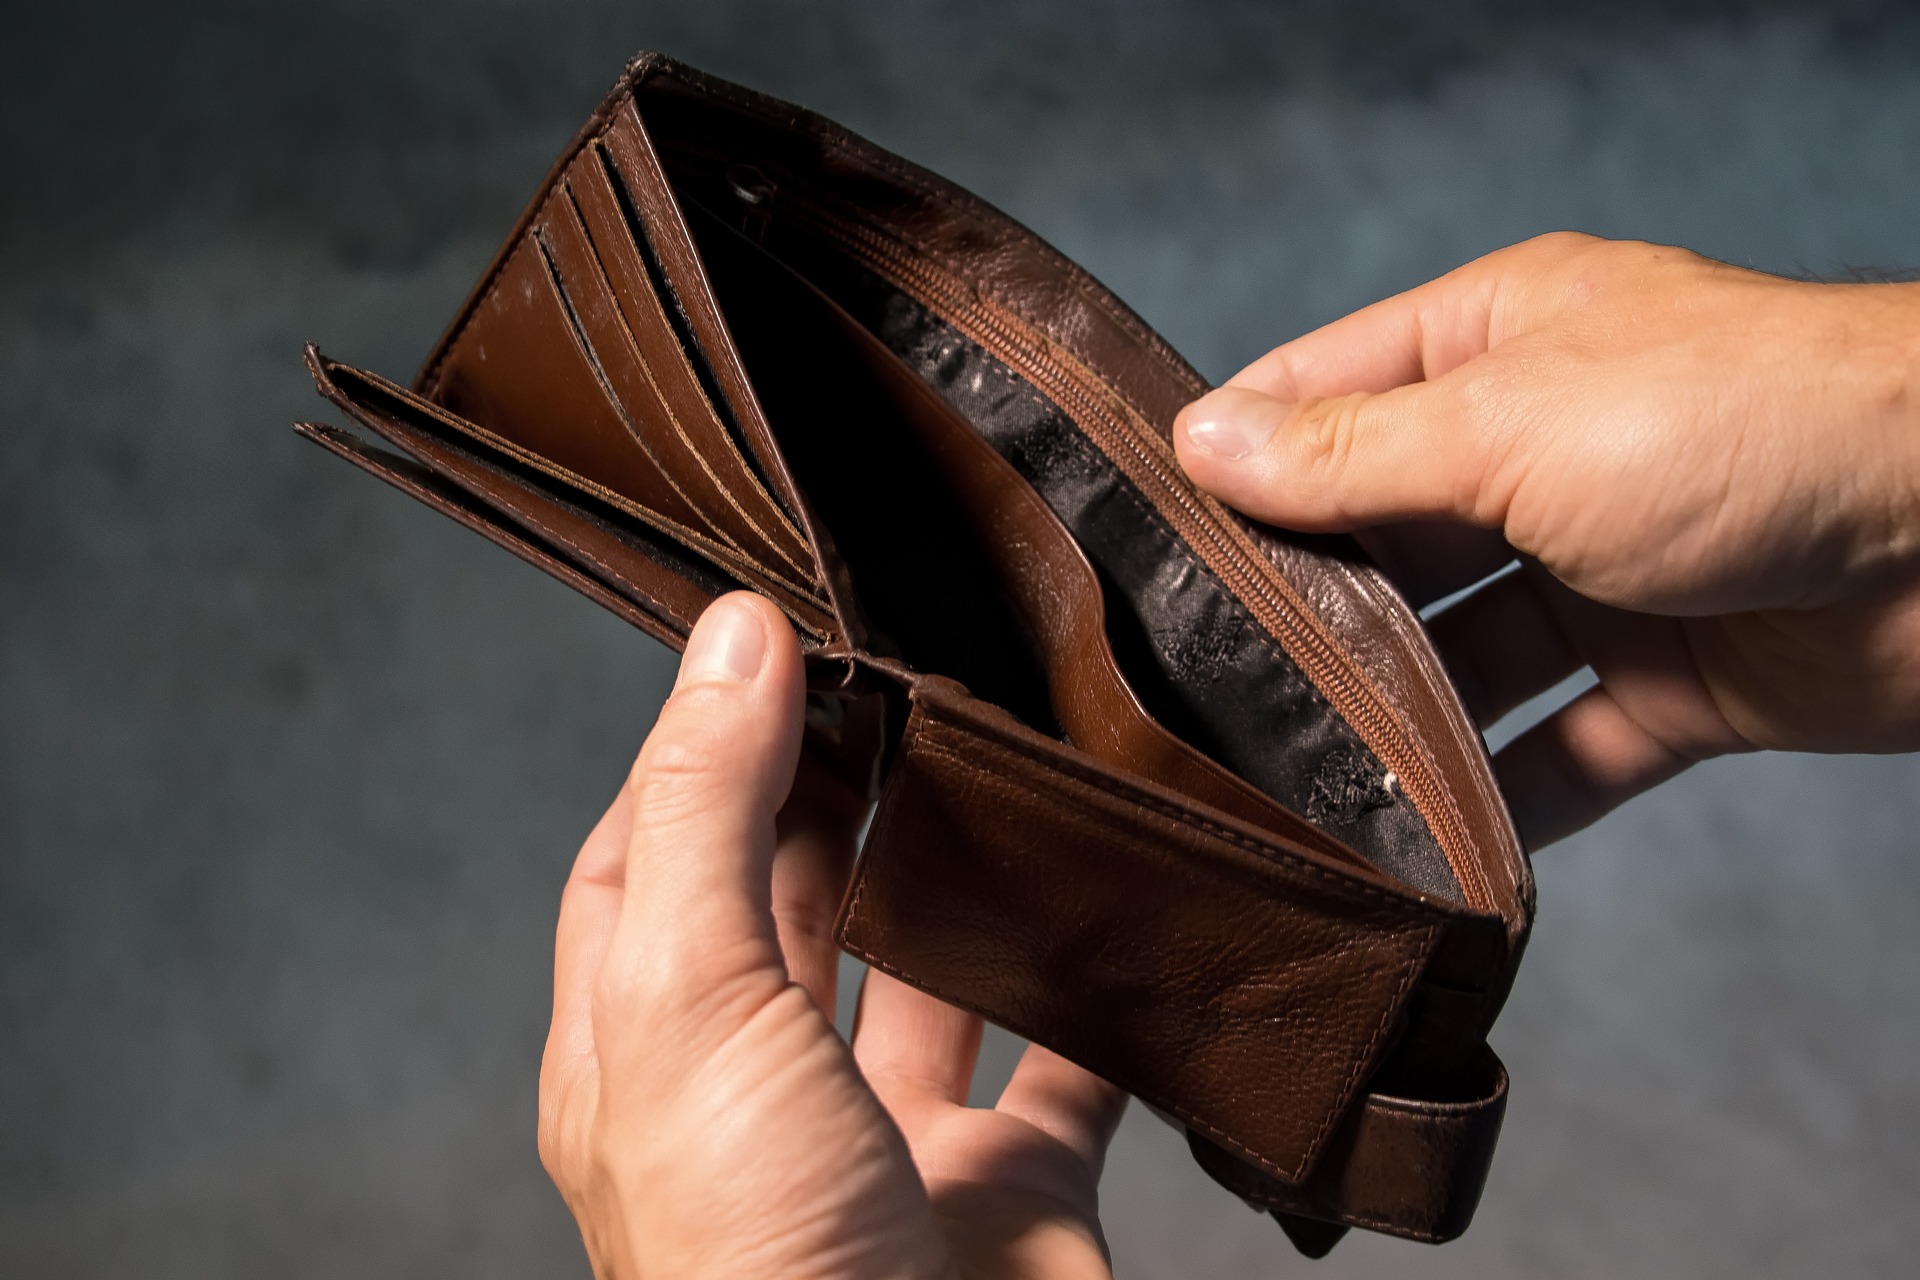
1711,477
697,1109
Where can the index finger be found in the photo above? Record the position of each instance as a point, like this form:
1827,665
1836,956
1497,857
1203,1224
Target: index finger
589,913
1422,334
1429,331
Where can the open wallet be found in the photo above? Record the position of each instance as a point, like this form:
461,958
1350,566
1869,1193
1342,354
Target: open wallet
1189,800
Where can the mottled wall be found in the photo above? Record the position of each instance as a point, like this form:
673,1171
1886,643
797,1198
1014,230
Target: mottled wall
291,769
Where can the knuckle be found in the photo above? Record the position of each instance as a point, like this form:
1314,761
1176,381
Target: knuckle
656,1004
1600,269
1562,244
546,1141
1482,391
626,987
649,985
1326,432
1490,431
556,1134
684,762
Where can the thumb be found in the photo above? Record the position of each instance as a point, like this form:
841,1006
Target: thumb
696,924
1332,464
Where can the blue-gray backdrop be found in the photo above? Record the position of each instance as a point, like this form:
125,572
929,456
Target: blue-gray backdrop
291,769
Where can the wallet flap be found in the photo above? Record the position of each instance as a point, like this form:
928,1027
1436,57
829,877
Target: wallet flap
1234,980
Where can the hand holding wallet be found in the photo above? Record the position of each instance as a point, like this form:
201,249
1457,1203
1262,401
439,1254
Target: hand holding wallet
1186,799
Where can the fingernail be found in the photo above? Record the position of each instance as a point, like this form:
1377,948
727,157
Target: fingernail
726,646
1231,422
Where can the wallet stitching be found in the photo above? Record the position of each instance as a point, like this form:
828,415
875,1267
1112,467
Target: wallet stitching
1459,731
583,345
533,521
1283,599
723,355
600,564
603,494
693,540
598,126
1091,291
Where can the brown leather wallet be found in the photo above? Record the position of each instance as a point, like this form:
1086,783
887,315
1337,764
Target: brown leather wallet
1186,799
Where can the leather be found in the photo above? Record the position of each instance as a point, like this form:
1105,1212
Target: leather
1187,799
1391,1168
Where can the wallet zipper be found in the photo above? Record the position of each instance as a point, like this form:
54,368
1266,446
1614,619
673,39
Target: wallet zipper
1119,432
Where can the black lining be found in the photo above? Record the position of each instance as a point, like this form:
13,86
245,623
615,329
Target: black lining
925,583
1192,652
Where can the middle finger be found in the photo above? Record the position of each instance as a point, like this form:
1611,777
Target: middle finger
1429,560
1503,645
911,1046
817,827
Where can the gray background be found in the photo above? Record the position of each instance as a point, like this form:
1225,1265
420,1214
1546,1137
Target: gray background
291,769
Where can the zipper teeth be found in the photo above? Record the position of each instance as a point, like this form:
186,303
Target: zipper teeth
1221,544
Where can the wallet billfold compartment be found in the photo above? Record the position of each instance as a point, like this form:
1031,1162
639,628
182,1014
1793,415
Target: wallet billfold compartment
1188,800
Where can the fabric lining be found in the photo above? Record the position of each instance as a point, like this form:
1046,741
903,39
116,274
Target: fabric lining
1192,652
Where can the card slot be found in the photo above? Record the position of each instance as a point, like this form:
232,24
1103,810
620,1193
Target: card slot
989,519
659,234
549,241
522,371
502,473
627,330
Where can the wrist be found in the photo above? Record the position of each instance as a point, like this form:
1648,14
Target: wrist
1886,336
